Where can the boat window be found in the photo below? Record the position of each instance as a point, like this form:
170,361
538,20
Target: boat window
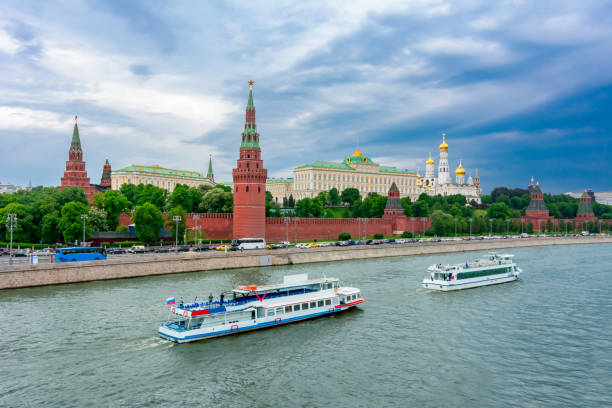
327,302
296,308
287,309
313,305
279,310
271,312
304,306
320,303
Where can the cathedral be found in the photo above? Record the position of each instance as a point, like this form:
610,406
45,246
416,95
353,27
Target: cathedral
443,183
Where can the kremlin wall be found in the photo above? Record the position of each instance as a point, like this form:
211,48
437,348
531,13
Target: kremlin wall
249,190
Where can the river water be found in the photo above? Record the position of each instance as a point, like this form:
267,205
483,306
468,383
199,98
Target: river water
543,341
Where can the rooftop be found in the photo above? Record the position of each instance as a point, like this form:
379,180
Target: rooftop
135,168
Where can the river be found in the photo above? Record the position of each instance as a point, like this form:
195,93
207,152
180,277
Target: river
542,341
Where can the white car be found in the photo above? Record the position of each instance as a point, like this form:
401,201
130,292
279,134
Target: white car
302,245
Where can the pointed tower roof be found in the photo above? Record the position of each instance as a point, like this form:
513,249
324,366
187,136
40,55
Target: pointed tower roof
393,187
209,174
75,145
430,160
250,137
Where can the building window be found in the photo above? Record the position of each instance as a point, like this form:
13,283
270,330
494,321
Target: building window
247,189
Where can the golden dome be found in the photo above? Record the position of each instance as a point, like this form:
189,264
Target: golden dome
460,170
430,160
357,153
443,146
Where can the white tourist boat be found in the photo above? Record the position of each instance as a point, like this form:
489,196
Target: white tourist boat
257,307
490,270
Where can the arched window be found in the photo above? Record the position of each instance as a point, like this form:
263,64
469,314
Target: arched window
259,189
247,189
248,165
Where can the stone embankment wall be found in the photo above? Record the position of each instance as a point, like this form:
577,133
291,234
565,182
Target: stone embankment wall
53,274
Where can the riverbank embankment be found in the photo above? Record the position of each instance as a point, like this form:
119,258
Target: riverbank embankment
21,276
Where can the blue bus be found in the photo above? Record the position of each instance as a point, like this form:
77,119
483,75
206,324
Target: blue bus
80,254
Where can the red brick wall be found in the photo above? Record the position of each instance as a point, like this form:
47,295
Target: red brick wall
213,226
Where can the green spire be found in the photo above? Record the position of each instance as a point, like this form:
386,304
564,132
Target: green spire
210,170
75,145
250,137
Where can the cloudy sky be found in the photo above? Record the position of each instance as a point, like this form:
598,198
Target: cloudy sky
520,87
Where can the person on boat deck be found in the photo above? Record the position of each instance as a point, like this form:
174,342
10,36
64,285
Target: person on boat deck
221,296
210,298
181,302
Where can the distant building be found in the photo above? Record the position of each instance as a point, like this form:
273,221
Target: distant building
6,188
158,176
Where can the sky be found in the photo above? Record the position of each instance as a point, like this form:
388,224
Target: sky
521,88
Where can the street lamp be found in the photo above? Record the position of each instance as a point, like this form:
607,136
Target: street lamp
287,230
522,226
196,218
11,224
600,226
365,228
295,231
470,220
507,226
176,219
456,227
84,218
491,227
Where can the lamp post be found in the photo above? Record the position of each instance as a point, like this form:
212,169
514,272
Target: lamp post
287,230
522,226
470,220
196,218
490,227
11,224
84,218
365,228
600,226
566,222
456,227
507,226
295,231
358,229
176,219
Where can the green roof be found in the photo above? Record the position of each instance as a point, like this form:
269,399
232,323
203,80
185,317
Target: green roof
327,165
358,160
279,181
135,168
75,145
386,169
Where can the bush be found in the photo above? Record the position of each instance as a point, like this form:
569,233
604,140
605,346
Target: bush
378,235
407,234
125,244
123,228
104,244
344,236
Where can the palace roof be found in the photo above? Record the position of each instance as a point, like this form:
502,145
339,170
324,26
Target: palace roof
156,170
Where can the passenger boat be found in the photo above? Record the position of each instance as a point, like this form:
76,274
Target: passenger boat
490,270
257,307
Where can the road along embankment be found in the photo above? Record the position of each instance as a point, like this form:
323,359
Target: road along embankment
21,276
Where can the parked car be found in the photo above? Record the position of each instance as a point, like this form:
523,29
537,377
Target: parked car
200,248
183,248
115,251
223,247
137,249
20,253
302,245
163,249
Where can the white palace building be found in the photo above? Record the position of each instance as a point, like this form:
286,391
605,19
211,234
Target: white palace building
360,172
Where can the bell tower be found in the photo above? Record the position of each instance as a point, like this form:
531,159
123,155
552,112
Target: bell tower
250,181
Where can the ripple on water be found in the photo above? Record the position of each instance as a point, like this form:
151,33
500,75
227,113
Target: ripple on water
542,341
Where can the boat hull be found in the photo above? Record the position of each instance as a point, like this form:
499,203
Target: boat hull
188,336
449,286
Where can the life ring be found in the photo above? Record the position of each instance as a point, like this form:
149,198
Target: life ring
173,309
336,289
185,313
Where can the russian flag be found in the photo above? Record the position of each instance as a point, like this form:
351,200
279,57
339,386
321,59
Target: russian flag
170,301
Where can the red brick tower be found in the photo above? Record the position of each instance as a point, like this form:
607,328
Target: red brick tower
394,205
585,209
250,181
106,175
75,174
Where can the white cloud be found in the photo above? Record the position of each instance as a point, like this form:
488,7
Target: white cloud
486,51
8,44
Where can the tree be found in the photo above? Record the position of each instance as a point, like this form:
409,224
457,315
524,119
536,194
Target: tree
225,188
378,235
323,197
499,210
442,223
97,220
217,200
344,236
530,227
334,196
181,197
50,232
113,203
407,234
350,195
70,194
71,224
291,201
149,220
170,224
420,209
308,208
26,231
